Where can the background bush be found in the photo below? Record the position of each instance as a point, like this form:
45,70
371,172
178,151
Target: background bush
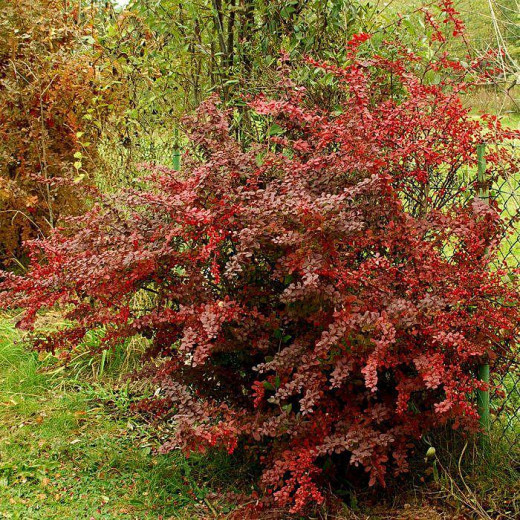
53,100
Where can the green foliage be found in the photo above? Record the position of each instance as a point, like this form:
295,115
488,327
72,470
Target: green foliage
168,56
165,57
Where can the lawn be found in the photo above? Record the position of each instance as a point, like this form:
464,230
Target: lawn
69,450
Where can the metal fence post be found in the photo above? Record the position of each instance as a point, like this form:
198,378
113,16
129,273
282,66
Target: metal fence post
483,372
176,151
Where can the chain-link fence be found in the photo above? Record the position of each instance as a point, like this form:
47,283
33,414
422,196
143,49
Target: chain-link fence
504,399
500,407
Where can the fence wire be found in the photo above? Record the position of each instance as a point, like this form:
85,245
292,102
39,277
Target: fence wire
503,193
505,373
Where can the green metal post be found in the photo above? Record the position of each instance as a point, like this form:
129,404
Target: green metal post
483,373
176,151
483,399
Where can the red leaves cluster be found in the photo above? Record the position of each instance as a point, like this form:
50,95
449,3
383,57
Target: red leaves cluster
303,301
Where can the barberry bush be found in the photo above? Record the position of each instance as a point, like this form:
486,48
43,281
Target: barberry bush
319,296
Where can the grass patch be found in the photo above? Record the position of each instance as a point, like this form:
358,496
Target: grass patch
478,479
69,450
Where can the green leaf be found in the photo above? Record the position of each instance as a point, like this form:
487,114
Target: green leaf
432,77
287,11
275,129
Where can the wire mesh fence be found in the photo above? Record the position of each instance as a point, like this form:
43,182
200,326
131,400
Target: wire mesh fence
500,407
505,373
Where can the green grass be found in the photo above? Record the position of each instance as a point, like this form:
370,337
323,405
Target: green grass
507,194
512,121
74,450
478,478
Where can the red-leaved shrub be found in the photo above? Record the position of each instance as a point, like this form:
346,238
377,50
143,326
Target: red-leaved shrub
321,293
